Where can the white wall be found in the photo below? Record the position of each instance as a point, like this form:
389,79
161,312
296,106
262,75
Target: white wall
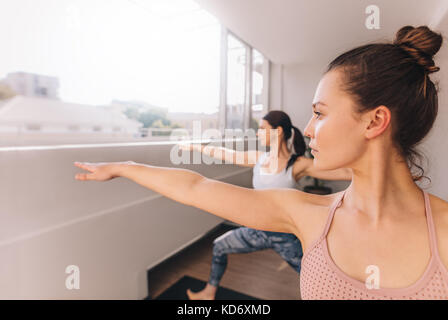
435,146
275,87
114,231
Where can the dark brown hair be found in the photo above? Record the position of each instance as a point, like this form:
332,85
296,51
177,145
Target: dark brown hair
396,75
278,118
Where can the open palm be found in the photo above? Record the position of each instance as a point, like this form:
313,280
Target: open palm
100,171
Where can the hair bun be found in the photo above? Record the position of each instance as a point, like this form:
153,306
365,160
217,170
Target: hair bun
421,43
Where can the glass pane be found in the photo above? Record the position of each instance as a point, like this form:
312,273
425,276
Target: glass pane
257,107
236,80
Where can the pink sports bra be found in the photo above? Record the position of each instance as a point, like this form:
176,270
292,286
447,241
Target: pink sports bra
321,278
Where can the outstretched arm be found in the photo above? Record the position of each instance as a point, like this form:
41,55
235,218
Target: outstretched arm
304,167
242,158
268,209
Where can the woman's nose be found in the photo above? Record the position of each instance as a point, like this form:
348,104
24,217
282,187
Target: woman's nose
308,129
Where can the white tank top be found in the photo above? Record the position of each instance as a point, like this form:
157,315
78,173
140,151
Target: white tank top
263,180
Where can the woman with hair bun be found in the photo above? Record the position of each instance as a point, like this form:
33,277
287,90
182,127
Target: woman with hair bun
381,238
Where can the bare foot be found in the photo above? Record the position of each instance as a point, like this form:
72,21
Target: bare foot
207,294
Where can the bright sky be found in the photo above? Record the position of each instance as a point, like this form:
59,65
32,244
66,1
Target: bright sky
164,52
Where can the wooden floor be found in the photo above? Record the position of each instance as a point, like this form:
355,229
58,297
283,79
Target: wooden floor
263,274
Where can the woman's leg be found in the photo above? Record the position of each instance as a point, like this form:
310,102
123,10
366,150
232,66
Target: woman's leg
240,240
288,246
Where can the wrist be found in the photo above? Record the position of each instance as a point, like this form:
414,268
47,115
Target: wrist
119,168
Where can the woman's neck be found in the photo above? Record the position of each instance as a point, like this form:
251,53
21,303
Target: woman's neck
280,152
382,185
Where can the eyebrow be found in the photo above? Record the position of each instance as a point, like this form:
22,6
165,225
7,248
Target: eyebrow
319,102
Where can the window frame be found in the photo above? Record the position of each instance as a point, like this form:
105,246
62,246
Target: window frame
247,110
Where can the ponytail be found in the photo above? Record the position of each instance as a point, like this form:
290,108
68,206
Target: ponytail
298,146
293,137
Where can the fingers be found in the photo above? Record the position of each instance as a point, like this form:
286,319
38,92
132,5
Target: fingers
83,176
84,165
79,164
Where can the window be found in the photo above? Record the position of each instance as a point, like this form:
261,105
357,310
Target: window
159,69
73,127
258,99
236,83
41,92
33,127
246,72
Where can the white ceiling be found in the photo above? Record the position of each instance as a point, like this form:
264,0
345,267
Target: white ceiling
304,31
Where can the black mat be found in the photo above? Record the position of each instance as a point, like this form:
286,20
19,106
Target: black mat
178,291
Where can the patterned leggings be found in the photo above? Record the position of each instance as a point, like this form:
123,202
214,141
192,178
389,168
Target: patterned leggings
244,240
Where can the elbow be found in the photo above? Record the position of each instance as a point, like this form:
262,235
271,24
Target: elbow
195,190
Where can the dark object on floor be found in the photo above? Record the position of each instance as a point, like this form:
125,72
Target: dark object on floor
178,291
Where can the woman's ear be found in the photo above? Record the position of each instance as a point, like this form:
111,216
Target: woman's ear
280,132
378,121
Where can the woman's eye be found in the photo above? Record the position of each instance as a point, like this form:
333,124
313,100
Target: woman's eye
317,113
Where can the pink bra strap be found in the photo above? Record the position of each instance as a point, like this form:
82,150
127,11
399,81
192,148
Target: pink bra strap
336,204
431,228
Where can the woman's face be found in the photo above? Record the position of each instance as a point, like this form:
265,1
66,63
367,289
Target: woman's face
263,132
335,133
267,134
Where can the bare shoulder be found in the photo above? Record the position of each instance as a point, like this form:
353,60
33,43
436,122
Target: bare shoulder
300,166
439,209
310,217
